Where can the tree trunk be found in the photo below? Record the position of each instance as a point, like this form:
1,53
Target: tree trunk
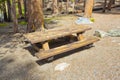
24,2
20,8
104,7
9,10
35,15
73,6
41,3
60,6
55,7
110,4
14,17
4,11
88,8
113,2
67,4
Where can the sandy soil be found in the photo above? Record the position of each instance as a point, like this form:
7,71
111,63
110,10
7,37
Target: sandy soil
100,62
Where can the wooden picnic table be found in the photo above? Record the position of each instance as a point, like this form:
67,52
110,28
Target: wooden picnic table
45,36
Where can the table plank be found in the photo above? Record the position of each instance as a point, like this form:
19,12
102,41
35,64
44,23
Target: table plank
42,36
58,50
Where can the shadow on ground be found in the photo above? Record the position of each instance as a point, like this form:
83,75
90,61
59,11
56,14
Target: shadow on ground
51,59
11,69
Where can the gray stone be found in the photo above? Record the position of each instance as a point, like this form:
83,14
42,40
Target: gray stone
100,33
114,33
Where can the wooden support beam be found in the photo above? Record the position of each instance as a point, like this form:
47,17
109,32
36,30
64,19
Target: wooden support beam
55,51
80,36
45,45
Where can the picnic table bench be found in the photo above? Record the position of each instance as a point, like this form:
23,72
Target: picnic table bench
44,37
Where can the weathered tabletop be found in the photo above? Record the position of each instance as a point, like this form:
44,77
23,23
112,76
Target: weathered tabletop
41,36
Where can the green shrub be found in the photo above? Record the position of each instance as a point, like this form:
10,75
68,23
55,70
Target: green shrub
23,23
3,24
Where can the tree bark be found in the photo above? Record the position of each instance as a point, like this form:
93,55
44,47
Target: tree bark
20,8
60,6
4,11
25,9
9,10
67,6
14,17
110,4
104,7
73,6
55,7
88,8
35,15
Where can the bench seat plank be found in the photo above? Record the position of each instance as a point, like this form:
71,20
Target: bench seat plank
41,36
58,50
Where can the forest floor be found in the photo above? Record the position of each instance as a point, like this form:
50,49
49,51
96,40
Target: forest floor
101,62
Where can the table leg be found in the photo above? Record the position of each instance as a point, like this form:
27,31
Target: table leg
80,36
45,45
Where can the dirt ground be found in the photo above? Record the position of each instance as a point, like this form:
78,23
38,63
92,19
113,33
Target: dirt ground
100,62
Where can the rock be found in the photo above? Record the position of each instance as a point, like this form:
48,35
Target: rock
50,59
17,35
61,66
114,33
100,33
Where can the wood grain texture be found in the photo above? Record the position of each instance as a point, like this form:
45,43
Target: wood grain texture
88,8
80,36
45,45
42,36
55,51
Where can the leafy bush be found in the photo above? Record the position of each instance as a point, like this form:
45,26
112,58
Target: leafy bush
3,24
23,23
